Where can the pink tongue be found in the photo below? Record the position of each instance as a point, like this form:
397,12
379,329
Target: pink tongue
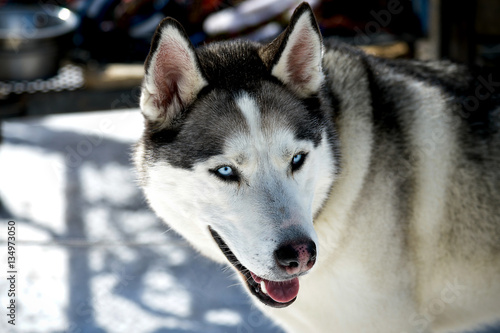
283,291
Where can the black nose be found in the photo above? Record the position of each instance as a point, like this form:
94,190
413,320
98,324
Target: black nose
296,257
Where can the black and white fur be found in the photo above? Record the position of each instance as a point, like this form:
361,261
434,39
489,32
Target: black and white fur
397,182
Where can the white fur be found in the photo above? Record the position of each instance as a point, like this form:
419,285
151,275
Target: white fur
240,212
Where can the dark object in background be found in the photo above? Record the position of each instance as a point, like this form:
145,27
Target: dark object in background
33,40
470,32
363,21
120,31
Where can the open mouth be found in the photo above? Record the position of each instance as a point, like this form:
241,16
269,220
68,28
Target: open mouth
278,294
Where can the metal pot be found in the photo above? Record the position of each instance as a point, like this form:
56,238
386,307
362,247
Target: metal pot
33,40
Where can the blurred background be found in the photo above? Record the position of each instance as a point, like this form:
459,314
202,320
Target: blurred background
90,255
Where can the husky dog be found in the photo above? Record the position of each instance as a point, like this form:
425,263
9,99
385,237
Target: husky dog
350,193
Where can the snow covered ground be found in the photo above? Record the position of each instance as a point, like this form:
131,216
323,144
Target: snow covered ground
91,256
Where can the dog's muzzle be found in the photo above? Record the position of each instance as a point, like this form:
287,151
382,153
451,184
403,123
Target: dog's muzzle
294,258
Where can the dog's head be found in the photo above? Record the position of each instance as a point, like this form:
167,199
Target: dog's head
238,150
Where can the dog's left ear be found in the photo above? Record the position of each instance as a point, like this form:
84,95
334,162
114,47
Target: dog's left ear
295,56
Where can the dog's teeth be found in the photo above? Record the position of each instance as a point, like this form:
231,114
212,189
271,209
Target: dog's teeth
263,287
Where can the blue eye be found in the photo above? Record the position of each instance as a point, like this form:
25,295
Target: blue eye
225,171
298,160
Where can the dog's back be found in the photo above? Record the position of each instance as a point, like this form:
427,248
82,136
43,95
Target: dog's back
421,146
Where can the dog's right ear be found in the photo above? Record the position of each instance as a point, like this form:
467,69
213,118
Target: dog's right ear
173,76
